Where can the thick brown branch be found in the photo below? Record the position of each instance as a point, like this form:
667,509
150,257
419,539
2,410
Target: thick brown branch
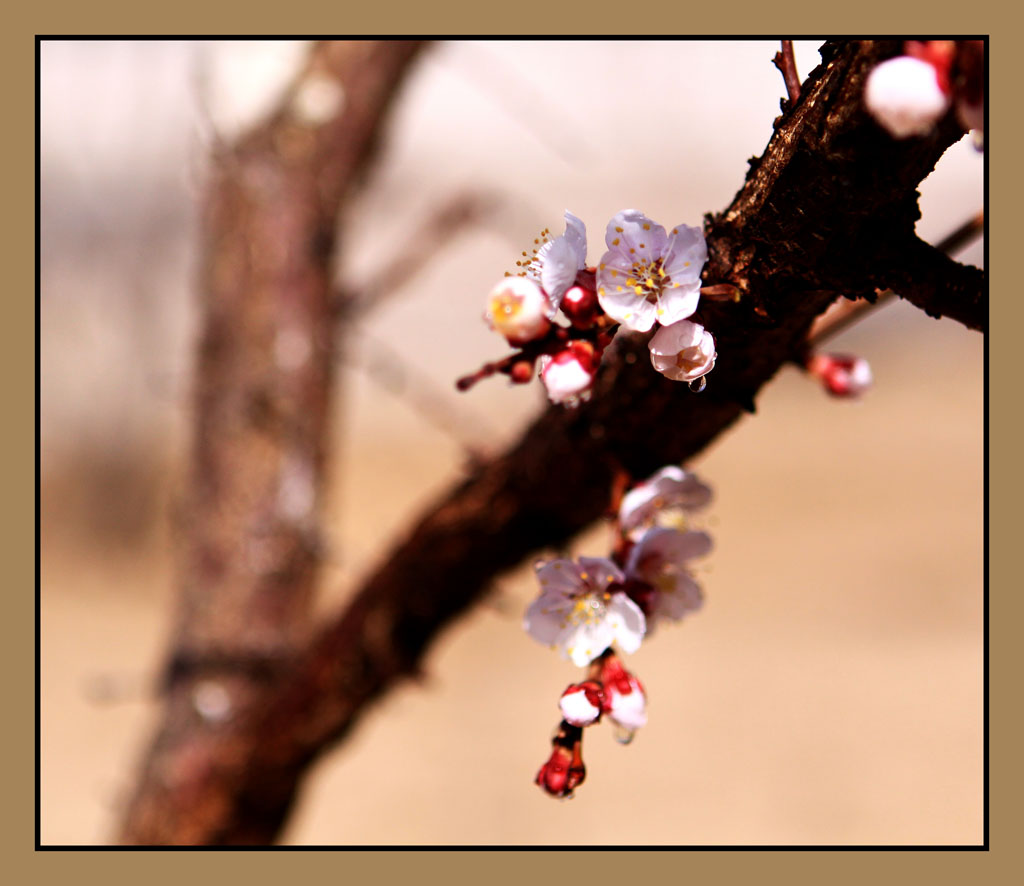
941,287
828,195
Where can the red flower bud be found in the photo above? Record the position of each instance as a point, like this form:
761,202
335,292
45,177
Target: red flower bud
580,305
564,770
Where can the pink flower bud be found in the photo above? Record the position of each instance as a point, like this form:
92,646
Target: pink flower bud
625,699
842,374
518,310
904,95
684,351
581,703
566,376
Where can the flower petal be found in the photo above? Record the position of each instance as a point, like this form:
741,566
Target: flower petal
685,254
599,572
677,303
633,234
684,597
576,236
584,642
545,618
560,577
627,622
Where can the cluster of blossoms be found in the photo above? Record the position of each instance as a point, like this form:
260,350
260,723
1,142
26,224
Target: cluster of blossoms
647,276
908,94
592,608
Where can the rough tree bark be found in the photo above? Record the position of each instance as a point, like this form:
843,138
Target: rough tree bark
827,210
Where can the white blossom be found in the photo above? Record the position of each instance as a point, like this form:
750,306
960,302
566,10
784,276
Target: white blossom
665,497
660,560
580,612
648,275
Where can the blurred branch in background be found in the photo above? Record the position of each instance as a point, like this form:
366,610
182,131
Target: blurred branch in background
250,705
263,387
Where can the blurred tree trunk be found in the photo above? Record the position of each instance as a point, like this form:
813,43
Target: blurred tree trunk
249,524
828,210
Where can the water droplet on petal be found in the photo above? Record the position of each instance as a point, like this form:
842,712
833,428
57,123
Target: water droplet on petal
698,384
623,734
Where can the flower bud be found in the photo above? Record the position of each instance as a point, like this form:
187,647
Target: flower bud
564,770
843,375
581,703
567,376
580,305
625,699
518,309
684,351
904,95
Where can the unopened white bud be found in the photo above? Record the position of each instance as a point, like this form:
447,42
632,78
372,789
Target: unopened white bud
904,96
518,309
565,377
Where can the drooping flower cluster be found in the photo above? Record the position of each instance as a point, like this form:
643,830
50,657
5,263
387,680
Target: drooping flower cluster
592,608
908,94
647,276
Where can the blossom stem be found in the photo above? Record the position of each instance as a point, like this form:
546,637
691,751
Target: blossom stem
785,61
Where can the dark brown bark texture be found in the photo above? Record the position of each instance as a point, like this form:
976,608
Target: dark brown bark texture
827,210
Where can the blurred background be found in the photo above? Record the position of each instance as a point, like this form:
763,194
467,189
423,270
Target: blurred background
830,691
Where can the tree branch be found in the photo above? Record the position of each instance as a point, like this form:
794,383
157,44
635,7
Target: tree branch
932,281
829,194
266,359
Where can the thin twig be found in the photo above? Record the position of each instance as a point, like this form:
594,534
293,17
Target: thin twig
435,232
786,63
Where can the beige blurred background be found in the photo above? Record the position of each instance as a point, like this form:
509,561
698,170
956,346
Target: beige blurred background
830,691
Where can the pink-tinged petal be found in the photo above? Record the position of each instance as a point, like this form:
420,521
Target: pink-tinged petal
634,509
634,235
684,597
685,254
680,488
682,351
669,545
576,236
599,572
677,303
627,622
558,267
671,339
560,577
544,620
